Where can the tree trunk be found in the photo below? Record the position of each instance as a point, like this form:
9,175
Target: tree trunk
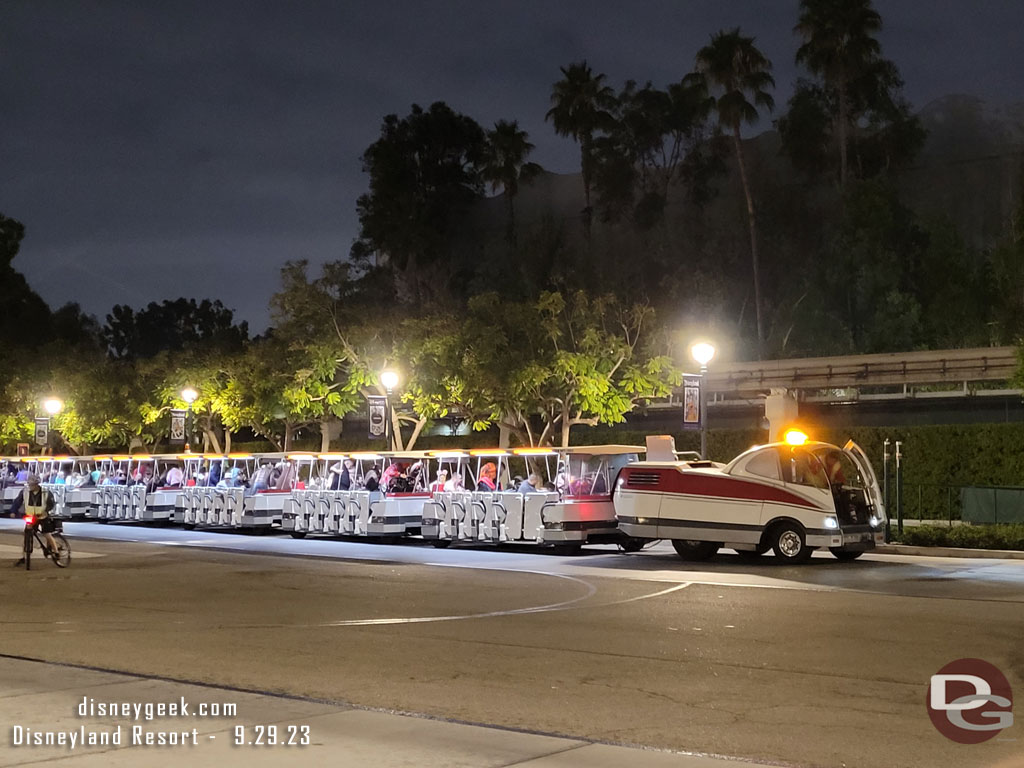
227,440
287,446
510,234
396,430
566,425
325,436
420,424
843,122
752,221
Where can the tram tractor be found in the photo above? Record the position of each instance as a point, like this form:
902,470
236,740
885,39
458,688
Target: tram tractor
790,497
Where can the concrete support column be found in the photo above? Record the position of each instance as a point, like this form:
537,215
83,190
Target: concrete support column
781,410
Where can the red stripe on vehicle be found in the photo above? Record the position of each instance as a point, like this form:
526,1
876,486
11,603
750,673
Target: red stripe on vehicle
673,481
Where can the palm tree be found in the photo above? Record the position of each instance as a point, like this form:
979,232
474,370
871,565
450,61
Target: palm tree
505,167
580,108
733,66
839,47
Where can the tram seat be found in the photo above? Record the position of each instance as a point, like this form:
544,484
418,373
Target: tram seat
339,503
138,502
510,527
532,506
233,501
207,510
359,510
479,511
310,512
323,512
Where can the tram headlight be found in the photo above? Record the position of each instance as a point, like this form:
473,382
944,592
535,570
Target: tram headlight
831,523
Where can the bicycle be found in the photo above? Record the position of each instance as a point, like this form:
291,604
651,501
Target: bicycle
61,557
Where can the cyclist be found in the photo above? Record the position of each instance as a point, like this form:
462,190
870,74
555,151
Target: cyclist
36,502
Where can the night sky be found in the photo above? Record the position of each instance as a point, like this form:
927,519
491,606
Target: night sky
160,148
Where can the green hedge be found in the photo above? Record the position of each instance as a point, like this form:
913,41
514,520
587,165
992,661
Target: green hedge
967,536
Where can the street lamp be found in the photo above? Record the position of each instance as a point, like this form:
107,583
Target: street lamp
389,379
189,395
52,406
703,352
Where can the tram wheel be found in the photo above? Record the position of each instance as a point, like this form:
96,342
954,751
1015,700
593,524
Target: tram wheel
845,555
789,543
751,554
567,550
632,544
695,550
298,534
441,543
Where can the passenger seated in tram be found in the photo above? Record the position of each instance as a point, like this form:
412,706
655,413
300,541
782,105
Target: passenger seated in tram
338,477
532,484
455,483
394,470
283,476
417,482
216,470
488,477
438,485
174,477
260,480
371,480
400,484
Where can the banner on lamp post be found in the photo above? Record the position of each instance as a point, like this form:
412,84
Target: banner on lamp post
378,417
691,402
178,426
42,430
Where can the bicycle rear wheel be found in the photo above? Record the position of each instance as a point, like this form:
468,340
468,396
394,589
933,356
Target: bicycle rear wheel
62,557
27,549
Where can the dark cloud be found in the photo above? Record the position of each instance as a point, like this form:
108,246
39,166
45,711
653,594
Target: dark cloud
156,149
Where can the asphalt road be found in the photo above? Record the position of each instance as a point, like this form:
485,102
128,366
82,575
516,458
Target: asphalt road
825,664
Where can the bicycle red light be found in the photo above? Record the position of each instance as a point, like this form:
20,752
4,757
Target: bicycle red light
29,520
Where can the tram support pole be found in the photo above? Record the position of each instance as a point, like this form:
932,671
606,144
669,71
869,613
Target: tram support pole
899,488
885,484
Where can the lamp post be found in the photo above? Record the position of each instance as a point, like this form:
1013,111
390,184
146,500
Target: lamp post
703,352
52,406
189,395
389,379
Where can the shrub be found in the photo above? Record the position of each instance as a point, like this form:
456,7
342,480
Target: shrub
1009,536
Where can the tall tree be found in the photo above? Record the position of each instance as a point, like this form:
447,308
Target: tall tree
741,76
840,47
424,172
658,138
172,326
581,107
505,167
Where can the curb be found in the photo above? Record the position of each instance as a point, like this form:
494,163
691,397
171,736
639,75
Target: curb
906,549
